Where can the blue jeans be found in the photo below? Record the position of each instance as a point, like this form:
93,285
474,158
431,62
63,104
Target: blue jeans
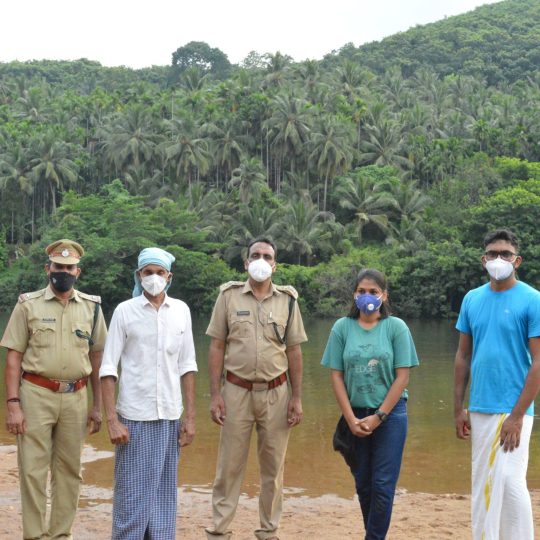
376,473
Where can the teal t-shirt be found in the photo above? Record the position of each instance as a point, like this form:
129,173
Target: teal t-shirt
368,358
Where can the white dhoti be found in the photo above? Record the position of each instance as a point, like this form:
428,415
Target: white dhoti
501,503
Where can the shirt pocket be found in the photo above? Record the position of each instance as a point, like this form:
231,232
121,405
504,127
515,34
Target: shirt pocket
43,336
174,340
274,329
240,328
81,333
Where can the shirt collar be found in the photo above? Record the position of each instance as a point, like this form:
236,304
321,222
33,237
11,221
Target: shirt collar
144,301
248,289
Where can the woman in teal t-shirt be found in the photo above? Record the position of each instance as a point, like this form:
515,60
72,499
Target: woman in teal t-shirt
370,354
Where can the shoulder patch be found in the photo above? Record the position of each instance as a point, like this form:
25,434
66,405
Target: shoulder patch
230,285
91,297
288,289
29,295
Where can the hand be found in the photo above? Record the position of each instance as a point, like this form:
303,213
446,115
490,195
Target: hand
94,421
463,424
371,422
294,411
511,433
359,427
187,432
217,409
118,432
15,421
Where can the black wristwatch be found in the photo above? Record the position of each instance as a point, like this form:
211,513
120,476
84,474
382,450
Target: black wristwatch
382,415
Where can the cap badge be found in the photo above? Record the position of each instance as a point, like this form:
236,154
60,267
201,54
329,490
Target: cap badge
65,253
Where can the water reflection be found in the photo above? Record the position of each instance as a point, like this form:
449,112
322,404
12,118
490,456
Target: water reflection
435,461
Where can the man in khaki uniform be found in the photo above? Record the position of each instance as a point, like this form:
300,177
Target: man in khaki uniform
256,330
55,338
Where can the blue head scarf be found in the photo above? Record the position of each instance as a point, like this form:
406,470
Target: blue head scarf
153,255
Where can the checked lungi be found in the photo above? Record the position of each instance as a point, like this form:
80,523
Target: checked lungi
145,472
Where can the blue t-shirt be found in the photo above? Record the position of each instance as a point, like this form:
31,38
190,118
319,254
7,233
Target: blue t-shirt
369,358
500,324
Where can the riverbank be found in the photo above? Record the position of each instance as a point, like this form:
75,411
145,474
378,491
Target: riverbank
417,516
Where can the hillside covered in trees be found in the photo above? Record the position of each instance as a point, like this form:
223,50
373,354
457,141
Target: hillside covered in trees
399,154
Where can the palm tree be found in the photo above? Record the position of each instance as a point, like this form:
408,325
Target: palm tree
194,79
186,152
227,147
52,165
129,139
276,68
289,127
258,219
249,179
331,150
369,201
384,145
33,104
406,236
16,188
304,228
409,201
312,81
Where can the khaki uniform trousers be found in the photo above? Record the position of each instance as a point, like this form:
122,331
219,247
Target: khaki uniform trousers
266,409
55,431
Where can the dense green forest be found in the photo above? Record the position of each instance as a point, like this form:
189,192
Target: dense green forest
399,154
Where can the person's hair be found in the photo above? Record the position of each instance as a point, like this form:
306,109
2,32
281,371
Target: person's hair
501,234
264,241
380,280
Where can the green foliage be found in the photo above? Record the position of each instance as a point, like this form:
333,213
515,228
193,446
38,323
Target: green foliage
496,42
3,251
197,277
432,282
200,55
398,155
516,208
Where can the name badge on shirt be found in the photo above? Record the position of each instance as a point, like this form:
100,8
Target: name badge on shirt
242,313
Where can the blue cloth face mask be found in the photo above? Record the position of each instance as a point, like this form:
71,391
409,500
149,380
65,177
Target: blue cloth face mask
367,303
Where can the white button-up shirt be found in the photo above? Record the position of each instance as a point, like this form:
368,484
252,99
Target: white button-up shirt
154,349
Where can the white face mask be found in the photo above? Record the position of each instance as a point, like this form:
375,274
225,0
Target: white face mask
259,270
499,270
153,284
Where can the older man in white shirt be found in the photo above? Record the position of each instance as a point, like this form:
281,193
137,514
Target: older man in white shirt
150,336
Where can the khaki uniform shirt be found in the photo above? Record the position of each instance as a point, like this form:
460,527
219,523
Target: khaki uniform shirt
45,331
253,350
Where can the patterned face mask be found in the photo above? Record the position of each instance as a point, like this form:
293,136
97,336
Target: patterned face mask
62,281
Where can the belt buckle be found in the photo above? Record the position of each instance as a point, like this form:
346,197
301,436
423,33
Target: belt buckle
259,386
64,387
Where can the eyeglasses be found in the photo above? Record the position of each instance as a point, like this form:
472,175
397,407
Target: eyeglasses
504,255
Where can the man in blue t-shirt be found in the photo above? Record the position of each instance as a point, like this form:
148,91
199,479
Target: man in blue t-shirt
499,348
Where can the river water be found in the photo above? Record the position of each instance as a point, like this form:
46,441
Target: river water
434,461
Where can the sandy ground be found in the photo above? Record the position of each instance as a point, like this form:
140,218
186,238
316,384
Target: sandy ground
417,516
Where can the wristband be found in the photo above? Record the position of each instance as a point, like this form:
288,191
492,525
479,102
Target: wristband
13,400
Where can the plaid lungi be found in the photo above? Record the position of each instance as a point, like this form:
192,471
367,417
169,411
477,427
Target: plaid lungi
145,472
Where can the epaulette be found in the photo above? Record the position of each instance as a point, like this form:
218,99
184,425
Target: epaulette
91,297
288,289
230,285
29,295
